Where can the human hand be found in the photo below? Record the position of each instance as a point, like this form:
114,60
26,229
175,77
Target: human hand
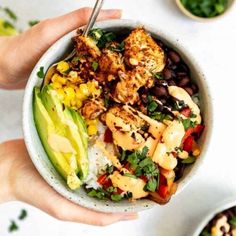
22,52
21,181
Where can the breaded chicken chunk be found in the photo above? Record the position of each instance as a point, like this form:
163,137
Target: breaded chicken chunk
111,62
87,47
142,50
126,90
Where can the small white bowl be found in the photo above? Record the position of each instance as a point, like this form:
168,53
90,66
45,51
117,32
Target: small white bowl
226,204
36,150
204,19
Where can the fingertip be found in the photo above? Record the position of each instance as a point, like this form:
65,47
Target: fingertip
111,13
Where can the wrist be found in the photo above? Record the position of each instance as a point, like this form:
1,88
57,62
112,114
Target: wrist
6,162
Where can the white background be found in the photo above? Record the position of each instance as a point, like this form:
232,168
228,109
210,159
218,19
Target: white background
214,47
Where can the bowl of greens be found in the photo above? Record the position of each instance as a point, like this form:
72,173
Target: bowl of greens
205,10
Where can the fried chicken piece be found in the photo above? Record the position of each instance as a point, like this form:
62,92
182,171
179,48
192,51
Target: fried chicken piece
126,90
93,108
142,50
86,47
111,62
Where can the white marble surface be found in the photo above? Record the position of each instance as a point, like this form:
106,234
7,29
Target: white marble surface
213,45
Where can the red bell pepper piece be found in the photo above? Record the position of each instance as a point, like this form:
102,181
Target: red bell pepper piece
118,191
108,136
188,144
186,112
102,179
162,180
163,191
196,130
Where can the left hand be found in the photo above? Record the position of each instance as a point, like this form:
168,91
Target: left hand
19,54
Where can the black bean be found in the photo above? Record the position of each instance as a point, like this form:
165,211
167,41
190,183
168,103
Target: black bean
189,90
184,81
174,56
181,73
159,91
183,67
171,82
167,73
169,62
194,88
163,101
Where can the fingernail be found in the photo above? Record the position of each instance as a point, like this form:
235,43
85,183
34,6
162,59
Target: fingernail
113,12
130,216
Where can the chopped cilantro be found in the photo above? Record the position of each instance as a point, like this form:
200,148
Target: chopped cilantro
10,13
187,123
152,106
116,197
109,169
31,23
23,214
119,48
205,233
13,227
111,189
189,160
106,100
99,193
233,221
40,73
158,76
96,34
151,185
94,65
130,175
76,59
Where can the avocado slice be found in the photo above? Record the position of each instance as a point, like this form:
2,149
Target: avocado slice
70,125
45,128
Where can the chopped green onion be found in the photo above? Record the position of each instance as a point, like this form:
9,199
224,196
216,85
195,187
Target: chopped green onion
94,65
116,197
189,160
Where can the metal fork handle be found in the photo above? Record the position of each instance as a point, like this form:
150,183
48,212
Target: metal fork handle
93,17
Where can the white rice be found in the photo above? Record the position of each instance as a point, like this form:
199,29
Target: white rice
97,161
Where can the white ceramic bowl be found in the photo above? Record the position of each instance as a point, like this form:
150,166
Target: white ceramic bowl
186,12
226,204
35,148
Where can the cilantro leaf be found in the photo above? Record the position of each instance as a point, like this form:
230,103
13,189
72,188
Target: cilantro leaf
116,197
13,227
233,221
41,73
94,65
151,185
23,214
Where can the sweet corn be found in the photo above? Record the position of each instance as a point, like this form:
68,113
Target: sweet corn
56,85
61,93
63,66
84,89
73,74
79,103
70,93
66,101
92,122
59,79
93,88
92,130
79,95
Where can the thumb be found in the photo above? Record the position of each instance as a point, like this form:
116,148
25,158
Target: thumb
53,29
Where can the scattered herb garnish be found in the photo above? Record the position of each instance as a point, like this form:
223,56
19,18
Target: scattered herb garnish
76,59
151,185
119,48
10,13
99,193
187,123
205,233
96,34
152,106
189,160
13,227
158,76
233,221
23,214
40,73
116,197
94,65
109,169
31,23
130,175
106,100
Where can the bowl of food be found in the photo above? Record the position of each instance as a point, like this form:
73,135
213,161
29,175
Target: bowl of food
122,125
220,221
205,11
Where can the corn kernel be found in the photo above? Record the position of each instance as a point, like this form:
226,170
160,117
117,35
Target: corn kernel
61,93
70,93
94,88
92,122
79,104
66,101
63,66
84,89
56,85
79,95
73,74
92,130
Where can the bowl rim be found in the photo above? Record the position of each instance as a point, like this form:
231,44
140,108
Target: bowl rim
223,205
187,13
27,102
